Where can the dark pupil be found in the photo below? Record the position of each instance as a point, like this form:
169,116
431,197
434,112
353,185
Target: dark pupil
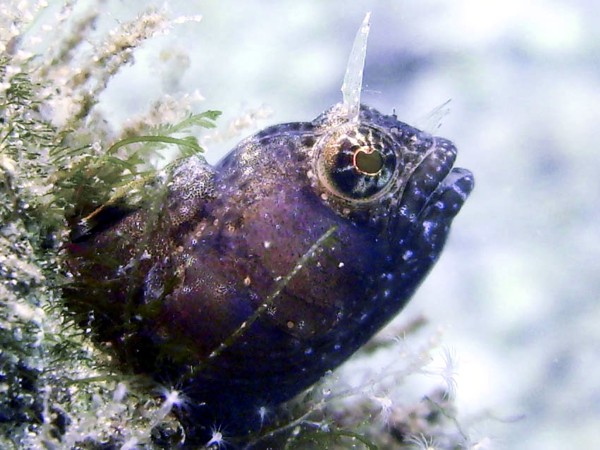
368,163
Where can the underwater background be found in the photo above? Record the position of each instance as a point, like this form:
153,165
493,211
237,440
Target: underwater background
515,293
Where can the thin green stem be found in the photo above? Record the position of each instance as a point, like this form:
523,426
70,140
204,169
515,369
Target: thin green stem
164,139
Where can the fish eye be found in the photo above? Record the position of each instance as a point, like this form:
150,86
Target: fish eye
357,163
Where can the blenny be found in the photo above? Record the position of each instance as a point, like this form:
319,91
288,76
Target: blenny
258,275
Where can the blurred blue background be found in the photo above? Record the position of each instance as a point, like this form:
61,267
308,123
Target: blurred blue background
516,290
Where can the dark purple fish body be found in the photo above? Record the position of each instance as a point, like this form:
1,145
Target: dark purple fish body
258,275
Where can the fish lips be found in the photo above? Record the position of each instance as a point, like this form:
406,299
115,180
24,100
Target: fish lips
434,192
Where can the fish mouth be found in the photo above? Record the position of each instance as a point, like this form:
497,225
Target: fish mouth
435,190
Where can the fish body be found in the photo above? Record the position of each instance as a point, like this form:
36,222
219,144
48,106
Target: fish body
251,279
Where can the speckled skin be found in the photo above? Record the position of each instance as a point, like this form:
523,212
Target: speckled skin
168,286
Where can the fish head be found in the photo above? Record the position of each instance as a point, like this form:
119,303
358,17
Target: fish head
383,174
